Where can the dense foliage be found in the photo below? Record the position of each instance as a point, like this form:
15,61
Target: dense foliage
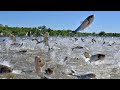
38,31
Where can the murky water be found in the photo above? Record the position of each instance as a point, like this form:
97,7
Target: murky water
61,47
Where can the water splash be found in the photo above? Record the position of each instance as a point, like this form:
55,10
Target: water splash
16,71
6,63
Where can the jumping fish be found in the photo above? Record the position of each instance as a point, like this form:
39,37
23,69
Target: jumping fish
85,23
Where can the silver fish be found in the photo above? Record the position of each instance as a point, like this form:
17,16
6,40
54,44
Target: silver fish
85,23
95,57
77,47
86,76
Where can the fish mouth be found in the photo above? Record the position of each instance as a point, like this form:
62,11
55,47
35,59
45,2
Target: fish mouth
92,15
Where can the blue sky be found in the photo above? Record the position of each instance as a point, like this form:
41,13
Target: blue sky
108,21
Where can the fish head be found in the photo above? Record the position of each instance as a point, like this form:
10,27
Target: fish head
87,55
5,69
38,58
39,61
91,18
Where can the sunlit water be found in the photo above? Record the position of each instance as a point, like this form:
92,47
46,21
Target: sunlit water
61,48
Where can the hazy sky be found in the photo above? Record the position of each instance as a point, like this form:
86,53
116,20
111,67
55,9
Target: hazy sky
108,21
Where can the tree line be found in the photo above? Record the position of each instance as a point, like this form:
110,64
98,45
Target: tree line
38,31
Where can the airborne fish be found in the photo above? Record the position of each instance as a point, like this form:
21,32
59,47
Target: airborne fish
46,38
95,57
77,47
86,76
85,23
37,41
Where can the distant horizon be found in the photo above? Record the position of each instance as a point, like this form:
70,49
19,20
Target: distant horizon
59,29
107,21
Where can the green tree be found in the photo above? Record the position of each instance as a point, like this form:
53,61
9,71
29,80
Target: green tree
102,33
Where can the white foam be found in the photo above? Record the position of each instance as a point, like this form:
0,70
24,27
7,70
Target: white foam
3,78
6,63
118,64
86,59
97,63
16,71
69,52
52,55
61,62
